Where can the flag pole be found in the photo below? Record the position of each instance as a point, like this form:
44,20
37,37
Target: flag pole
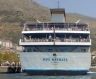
54,34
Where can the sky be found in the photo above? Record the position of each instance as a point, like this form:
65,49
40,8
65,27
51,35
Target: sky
84,7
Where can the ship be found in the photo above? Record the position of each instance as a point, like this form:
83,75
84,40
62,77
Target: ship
56,47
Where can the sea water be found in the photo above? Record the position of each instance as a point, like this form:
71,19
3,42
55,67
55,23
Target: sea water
90,75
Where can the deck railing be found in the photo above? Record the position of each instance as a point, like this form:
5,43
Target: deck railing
63,29
56,40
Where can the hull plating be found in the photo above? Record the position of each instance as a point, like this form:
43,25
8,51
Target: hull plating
55,72
63,63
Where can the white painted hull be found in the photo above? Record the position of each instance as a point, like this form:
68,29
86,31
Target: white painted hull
63,61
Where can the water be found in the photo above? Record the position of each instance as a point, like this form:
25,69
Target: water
90,75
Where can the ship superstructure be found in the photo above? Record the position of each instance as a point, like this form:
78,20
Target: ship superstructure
57,47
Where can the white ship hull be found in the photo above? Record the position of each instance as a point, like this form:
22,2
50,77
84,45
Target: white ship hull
56,47
63,63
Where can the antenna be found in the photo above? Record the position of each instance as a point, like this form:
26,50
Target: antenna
58,4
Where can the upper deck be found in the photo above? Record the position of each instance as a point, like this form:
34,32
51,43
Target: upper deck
57,27
58,24
56,32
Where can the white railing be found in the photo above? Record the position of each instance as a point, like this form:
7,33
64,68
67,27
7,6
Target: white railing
62,29
55,40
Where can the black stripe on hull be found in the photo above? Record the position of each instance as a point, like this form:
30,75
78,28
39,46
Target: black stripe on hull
55,72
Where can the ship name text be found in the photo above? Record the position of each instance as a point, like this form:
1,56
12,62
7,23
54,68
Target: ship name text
55,59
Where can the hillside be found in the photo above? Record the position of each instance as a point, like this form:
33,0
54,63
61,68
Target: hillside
28,8
13,12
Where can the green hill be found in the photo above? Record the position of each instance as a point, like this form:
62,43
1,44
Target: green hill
13,12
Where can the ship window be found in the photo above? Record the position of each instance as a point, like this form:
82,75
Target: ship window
34,50
29,50
83,50
23,50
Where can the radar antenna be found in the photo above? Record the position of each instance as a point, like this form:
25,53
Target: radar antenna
58,4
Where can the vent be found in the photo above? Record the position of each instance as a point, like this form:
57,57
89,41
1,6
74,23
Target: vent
54,54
